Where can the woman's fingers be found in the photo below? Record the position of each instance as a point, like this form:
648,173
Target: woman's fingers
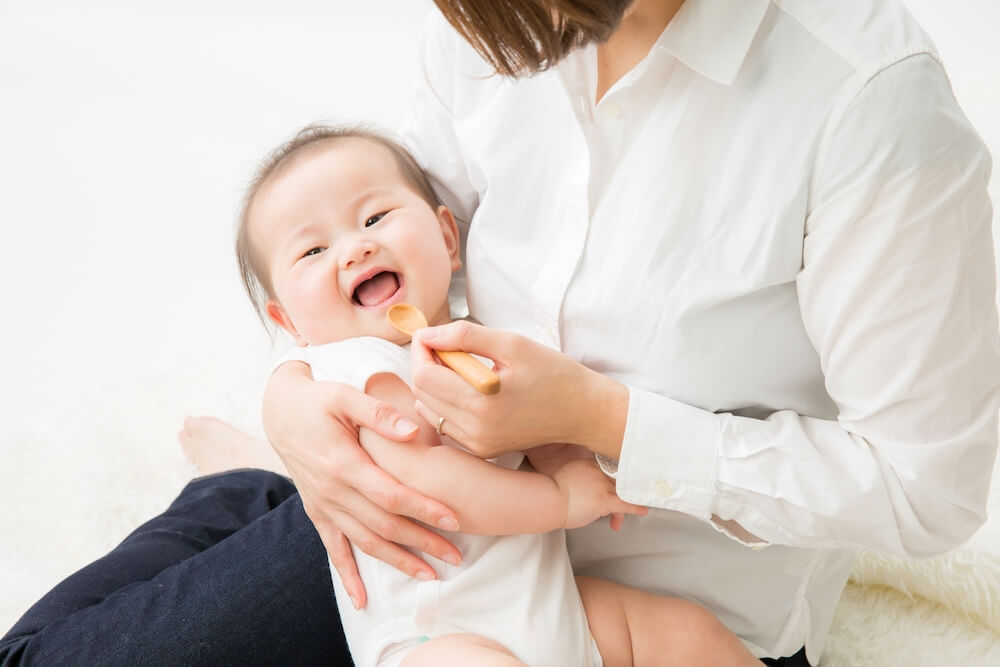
378,486
360,409
339,550
382,505
462,335
431,378
380,532
381,549
453,429
554,397
344,493
395,499
431,375
399,530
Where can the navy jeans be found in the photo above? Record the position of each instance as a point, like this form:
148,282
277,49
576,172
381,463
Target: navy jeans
232,573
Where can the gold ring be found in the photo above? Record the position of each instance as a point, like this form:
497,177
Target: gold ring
439,425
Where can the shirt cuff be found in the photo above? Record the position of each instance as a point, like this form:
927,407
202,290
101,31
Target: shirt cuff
669,453
608,465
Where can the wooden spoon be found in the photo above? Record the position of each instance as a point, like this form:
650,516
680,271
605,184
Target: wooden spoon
407,319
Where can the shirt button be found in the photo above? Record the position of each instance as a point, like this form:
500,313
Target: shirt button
613,110
663,488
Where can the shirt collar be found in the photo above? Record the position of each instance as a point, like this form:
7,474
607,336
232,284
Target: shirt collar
713,37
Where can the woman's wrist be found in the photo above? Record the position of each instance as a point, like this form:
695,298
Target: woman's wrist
603,415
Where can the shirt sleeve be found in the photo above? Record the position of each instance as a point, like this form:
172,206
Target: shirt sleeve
428,130
897,295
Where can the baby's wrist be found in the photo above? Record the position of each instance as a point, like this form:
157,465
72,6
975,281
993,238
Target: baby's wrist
564,503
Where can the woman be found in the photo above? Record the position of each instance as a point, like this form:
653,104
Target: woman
759,237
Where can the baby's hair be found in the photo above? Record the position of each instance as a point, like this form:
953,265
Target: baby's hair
256,280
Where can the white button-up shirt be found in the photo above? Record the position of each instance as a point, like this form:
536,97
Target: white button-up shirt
775,230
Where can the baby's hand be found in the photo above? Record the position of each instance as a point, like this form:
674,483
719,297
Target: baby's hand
589,493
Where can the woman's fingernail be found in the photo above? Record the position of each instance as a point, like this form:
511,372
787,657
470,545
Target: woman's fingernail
452,559
354,601
423,575
403,426
447,523
427,334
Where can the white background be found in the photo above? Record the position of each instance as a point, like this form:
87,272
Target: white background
128,130
127,133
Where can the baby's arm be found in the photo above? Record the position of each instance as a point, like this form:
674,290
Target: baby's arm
488,499
587,488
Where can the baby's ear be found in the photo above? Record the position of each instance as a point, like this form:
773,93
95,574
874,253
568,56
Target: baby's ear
278,315
452,240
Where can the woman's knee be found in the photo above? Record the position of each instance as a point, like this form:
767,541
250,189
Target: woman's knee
250,492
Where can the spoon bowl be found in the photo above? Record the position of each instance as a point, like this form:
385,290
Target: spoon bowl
407,318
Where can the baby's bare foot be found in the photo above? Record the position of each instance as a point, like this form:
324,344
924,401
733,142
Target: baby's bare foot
215,446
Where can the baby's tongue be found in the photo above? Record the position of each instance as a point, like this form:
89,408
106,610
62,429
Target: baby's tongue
377,289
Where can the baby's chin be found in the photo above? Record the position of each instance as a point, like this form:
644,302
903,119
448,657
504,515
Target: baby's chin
390,335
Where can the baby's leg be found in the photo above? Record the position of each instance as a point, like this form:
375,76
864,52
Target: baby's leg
461,651
215,446
633,627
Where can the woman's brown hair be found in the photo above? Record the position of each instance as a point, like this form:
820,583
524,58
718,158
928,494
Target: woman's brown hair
521,37
256,281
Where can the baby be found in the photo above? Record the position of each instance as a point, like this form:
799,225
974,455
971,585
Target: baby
340,224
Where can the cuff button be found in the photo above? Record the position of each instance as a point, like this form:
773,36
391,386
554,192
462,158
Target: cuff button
663,489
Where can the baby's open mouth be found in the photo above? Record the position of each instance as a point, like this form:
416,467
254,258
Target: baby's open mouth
376,289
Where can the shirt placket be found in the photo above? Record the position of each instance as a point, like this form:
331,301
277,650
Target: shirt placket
549,289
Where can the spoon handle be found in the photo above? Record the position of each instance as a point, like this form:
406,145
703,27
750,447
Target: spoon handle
483,379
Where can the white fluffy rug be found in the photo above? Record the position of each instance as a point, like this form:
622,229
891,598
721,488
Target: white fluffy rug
77,486
127,131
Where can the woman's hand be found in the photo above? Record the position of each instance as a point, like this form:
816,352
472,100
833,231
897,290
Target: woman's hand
545,396
313,426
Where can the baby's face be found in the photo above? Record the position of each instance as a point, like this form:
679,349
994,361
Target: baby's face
343,236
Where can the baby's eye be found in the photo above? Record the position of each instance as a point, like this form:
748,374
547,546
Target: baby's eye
375,218
313,251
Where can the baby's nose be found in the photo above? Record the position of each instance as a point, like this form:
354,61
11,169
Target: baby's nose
355,253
